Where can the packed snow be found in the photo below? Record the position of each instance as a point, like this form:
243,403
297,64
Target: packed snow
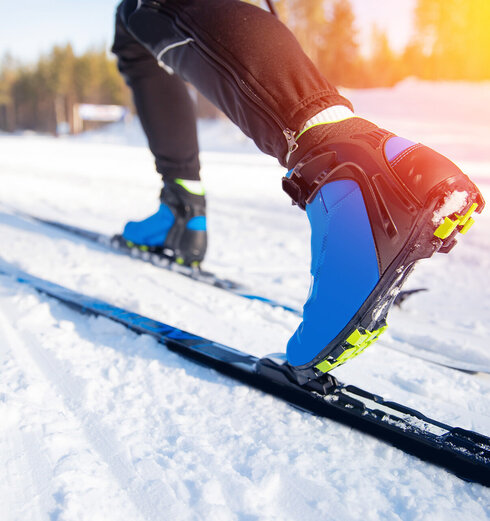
98,423
451,205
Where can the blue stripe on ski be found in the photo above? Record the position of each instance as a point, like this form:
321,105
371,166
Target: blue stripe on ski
270,302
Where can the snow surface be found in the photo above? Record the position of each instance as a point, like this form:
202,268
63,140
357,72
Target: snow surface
451,204
98,423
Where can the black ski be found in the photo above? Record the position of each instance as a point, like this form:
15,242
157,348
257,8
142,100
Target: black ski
463,452
116,245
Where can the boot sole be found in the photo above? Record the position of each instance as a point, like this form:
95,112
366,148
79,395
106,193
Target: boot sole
157,255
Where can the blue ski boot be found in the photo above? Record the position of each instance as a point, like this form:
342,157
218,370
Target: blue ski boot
178,229
377,203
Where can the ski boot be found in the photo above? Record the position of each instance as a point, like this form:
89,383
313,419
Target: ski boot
377,203
177,231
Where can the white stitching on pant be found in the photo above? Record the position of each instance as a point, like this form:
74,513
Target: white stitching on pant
169,48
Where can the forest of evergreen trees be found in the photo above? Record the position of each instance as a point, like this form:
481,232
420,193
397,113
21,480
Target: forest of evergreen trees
451,42
40,96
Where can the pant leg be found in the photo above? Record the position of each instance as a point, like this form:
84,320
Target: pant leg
241,58
164,106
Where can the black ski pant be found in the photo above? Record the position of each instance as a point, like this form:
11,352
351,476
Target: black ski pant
239,56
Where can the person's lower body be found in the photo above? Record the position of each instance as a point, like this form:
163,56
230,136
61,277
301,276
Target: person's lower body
166,111
377,203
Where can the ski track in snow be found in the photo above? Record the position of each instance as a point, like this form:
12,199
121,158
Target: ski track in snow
99,423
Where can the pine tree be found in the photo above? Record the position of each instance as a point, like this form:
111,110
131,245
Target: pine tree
384,66
339,57
8,75
454,35
42,96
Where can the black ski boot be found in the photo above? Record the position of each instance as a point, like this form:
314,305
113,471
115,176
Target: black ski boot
178,229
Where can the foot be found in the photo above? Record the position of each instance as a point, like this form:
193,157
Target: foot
178,229
377,203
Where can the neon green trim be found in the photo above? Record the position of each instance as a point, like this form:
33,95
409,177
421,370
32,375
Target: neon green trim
325,366
324,123
193,187
357,338
465,221
469,223
464,218
347,354
355,344
446,228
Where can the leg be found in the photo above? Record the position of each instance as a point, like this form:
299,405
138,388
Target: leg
178,229
242,59
377,203
164,106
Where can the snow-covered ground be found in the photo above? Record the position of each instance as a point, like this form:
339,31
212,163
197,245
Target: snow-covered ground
97,423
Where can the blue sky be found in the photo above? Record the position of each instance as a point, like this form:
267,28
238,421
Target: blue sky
31,27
